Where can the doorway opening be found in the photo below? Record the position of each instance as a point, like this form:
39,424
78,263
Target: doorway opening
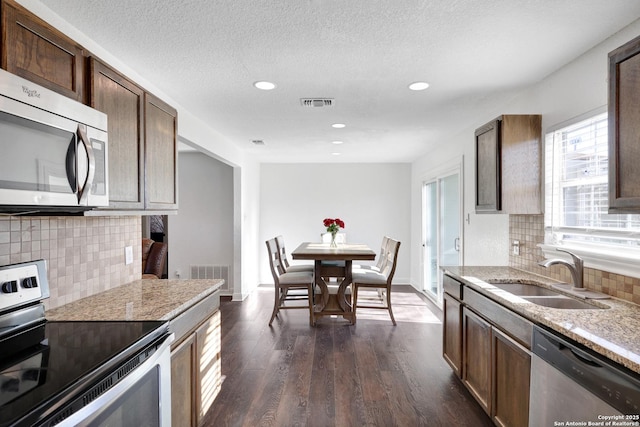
154,227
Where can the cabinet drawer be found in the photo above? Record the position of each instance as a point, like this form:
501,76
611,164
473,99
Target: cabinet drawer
517,327
452,286
184,323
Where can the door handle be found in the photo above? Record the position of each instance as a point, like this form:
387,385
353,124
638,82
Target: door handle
456,244
85,188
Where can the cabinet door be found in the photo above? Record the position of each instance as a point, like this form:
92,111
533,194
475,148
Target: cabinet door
36,51
487,149
476,373
452,333
521,164
122,101
511,370
183,383
160,154
208,364
624,128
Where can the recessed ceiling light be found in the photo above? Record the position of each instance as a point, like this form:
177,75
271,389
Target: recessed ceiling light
418,85
265,85
336,142
335,154
338,125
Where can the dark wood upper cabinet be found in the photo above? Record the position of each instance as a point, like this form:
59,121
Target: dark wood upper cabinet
624,128
509,165
488,172
36,51
161,126
123,102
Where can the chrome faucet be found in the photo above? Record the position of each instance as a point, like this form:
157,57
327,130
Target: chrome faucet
576,268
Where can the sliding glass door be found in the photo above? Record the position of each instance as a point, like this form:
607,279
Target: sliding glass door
441,230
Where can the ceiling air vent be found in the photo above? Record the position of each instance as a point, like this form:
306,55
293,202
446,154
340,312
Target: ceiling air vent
258,141
316,102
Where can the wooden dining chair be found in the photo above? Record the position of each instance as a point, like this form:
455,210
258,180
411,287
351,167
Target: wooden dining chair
371,279
294,286
382,257
284,262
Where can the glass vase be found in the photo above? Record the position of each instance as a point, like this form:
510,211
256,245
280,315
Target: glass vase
333,243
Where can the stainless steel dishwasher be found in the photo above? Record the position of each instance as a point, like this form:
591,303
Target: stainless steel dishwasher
572,384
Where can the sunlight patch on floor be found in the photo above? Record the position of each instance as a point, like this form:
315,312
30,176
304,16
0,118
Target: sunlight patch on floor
407,307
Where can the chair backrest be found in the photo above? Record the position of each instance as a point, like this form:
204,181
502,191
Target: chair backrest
389,269
382,258
274,260
283,252
340,237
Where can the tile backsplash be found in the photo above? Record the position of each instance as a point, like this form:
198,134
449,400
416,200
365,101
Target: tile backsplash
85,255
529,230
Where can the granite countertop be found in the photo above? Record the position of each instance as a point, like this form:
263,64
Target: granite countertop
148,299
613,332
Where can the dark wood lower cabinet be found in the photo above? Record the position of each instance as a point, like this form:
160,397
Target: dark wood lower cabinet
511,373
195,373
494,367
452,333
209,374
476,347
183,383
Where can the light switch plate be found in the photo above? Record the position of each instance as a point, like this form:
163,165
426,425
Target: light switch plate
128,255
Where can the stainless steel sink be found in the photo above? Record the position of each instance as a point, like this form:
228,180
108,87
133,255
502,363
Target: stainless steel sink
525,289
561,302
544,296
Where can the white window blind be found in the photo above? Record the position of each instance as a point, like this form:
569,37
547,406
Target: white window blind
576,190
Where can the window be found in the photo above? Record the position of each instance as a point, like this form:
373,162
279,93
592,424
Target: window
576,193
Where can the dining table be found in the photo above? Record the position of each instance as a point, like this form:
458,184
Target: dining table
333,262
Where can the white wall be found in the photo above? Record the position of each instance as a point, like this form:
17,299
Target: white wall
247,226
372,199
202,231
576,88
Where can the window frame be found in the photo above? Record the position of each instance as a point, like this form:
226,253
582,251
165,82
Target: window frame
619,259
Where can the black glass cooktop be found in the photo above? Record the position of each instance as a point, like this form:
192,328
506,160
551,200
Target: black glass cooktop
42,364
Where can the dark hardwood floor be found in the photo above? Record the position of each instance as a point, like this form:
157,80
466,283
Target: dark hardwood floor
335,374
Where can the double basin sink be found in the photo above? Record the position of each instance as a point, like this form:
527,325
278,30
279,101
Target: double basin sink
544,296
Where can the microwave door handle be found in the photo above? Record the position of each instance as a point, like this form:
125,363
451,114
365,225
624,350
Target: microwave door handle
85,188
71,165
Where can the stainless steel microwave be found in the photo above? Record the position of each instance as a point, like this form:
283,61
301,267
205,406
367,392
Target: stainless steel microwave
53,151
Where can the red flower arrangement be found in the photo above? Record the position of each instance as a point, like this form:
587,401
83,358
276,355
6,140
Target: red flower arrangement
333,225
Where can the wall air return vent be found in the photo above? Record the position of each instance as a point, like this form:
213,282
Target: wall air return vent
316,102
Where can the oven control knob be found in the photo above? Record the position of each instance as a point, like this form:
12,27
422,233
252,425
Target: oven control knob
10,287
30,282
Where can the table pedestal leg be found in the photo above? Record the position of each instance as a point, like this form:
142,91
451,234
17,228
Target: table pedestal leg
333,304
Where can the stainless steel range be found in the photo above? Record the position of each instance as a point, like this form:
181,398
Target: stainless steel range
77,373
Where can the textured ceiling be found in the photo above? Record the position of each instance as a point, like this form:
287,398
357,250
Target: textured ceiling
362,53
